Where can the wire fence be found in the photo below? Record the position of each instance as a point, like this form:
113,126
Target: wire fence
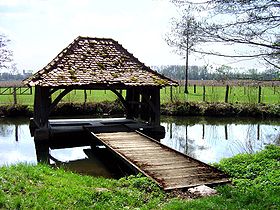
196,93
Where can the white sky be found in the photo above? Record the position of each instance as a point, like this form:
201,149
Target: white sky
40,29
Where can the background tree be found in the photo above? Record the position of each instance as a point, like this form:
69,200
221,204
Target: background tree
251,23
6,55
184,36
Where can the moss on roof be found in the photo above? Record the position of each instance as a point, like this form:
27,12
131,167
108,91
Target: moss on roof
101,61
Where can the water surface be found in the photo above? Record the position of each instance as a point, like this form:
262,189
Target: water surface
207,139
211,139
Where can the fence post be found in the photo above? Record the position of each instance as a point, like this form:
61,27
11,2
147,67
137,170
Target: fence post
260,94
227,92
85,95
15,95
171,94
204,92
194,88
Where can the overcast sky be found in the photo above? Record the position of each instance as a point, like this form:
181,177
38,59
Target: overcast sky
40,29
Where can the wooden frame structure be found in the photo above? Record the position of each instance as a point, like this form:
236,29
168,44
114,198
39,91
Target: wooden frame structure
97,64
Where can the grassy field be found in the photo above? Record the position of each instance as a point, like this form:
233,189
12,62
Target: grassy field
256,185
237,94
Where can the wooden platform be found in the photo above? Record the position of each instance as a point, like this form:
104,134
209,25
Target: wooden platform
169,168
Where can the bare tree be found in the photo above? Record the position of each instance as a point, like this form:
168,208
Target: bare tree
184,36
6,55
251,23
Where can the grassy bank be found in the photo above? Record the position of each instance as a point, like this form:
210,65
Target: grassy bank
220,109
256,185
172,109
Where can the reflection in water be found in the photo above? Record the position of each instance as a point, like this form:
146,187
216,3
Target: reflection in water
16,144
206,139
210,141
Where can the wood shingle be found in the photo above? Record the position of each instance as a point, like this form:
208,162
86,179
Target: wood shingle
96,61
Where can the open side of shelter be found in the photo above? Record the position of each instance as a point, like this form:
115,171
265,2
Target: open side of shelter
97,64
103,64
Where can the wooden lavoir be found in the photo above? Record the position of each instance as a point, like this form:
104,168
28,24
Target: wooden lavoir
103,64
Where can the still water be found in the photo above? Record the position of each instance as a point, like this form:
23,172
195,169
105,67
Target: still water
207,139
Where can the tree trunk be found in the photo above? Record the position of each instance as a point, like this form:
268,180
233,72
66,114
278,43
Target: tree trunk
187,69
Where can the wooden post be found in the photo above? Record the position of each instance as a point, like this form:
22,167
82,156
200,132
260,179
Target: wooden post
155,112
194,88
15,95
85,97
133,101
42,152
204,93
171,94
42,103
260,94
145,110
227,93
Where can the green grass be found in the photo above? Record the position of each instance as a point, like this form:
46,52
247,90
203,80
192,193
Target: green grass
256,185
237,94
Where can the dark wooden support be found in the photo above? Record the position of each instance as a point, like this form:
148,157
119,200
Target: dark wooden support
42,152
155,105
227,94
85,97
42,103
15,95
260,94
129,99
52,91
58,98
204,93
124,102
133,103
145,109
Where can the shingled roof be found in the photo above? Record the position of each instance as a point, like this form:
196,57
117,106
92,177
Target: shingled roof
96,61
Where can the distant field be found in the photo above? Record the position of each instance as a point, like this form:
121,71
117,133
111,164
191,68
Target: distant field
237,94
270,94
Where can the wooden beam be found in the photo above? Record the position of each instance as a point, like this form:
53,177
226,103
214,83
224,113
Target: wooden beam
42,102
58,98
124,102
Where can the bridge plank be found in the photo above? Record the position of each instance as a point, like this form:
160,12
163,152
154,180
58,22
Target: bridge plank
167,167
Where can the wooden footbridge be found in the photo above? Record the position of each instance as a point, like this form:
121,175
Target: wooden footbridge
169,168
103,64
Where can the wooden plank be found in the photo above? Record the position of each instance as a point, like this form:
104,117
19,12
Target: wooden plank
133,149
172,167
169,168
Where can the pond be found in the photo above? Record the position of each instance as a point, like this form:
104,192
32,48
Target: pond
206,139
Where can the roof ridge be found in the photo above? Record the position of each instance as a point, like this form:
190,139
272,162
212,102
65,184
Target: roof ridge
85,60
